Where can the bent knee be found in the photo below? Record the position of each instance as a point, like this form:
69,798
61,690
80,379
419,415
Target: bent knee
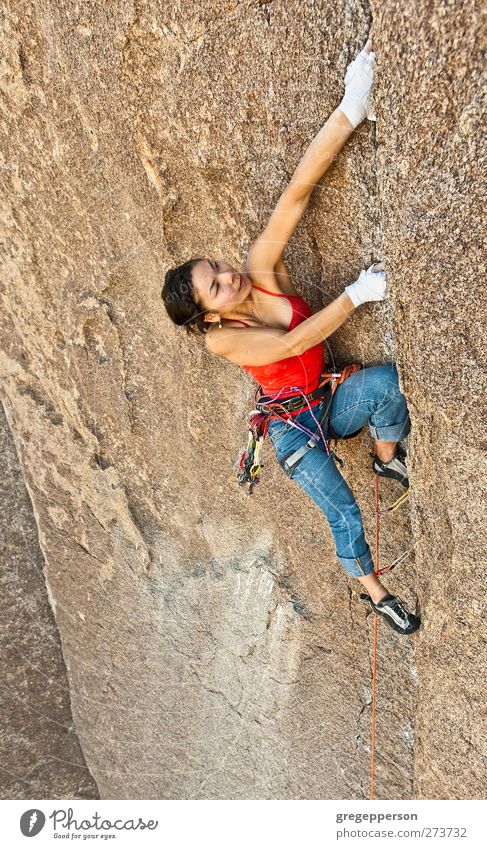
390,380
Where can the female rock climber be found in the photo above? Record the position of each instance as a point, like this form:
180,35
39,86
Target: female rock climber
281,345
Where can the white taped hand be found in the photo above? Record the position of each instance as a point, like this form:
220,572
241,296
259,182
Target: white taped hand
369,286
356,103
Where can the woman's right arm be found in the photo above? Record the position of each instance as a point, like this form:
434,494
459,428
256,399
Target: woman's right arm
259,346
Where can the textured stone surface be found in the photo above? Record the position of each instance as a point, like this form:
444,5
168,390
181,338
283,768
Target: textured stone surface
214,647
40,754
430,164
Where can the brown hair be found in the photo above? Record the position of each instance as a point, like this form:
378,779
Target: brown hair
178,298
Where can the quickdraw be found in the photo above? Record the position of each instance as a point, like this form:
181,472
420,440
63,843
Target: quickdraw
250,463
394,506
401,500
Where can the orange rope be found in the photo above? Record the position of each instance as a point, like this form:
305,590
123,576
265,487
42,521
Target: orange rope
374,664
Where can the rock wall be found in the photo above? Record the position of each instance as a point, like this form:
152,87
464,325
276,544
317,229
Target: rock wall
429,167
214,647
40,754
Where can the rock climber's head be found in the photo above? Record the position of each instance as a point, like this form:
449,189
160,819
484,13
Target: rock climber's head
200,291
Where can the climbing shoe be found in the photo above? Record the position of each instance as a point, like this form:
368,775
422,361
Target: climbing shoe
395,614
395,468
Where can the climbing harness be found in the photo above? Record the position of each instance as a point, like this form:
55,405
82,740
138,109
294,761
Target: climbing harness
277,407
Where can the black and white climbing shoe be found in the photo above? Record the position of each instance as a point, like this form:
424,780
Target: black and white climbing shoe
395,468
395,614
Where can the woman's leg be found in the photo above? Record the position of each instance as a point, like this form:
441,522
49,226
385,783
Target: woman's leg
318,475
374,587
371,396
385,450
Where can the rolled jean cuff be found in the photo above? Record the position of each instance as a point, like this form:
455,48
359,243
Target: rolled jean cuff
357,567
391,433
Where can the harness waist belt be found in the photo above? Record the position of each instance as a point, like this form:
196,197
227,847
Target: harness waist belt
293,402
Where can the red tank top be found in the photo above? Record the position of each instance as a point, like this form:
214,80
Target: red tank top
303,371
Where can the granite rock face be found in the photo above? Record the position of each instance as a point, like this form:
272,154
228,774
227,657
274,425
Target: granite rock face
214,647
39,749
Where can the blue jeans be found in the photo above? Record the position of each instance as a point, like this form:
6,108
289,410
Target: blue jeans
369,396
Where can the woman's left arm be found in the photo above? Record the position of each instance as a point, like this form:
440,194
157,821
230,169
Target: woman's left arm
320,154
268,248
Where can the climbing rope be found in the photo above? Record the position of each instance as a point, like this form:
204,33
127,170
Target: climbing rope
374,661
394,506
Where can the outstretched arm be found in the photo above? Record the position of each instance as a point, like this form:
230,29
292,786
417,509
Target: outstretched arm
320,154
268,248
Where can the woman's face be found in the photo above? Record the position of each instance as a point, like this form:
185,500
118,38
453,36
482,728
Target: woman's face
218,286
